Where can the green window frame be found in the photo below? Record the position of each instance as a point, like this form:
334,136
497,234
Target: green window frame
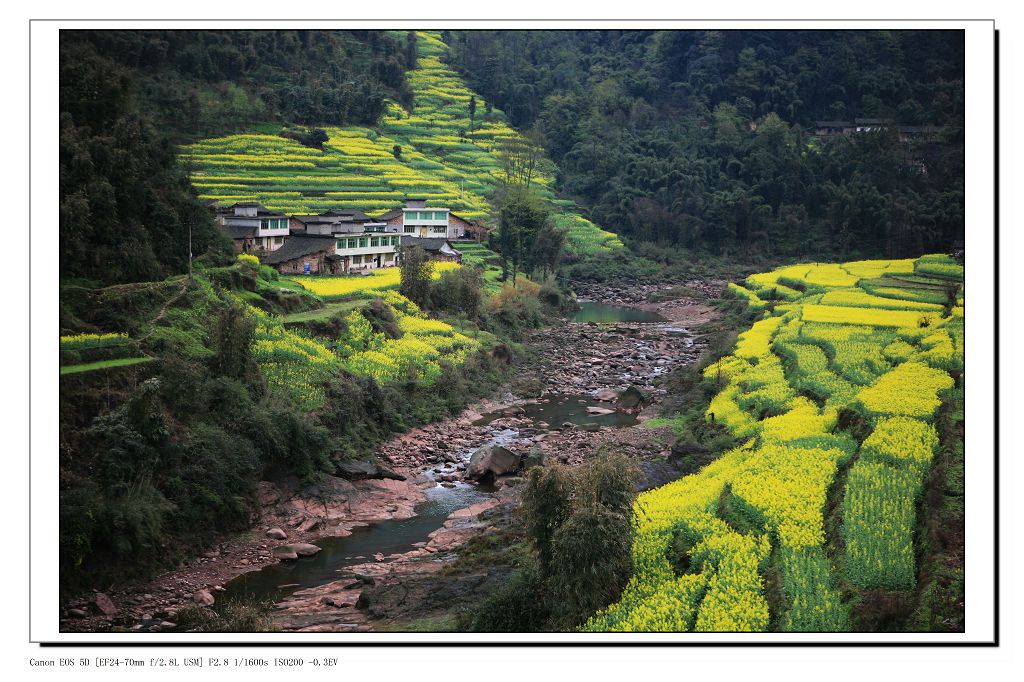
352,243
362,242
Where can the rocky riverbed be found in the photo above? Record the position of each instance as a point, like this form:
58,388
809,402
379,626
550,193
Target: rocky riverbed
614,367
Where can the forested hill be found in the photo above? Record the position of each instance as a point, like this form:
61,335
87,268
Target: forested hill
198,83
126,97
696,138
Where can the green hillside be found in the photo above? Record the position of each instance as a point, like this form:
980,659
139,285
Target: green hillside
433,153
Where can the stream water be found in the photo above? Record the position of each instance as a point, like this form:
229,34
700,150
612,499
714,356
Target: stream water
278,580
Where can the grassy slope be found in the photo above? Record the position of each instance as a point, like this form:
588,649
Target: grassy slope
441,160
102,364
812,523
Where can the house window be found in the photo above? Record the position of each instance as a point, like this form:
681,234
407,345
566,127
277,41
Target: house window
362,242
264,224
439,229
409,229
352,243
278,241
374,241
357,260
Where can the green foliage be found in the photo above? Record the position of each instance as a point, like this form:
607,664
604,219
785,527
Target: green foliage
417,272
126,206
694,138
524,219
199,82
579,524
233,616
459,292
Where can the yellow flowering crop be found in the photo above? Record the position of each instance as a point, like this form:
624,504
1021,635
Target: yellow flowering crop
834,347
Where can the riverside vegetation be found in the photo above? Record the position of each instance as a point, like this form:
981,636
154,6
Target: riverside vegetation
823,446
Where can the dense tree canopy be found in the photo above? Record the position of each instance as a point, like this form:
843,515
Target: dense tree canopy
698,138
196,83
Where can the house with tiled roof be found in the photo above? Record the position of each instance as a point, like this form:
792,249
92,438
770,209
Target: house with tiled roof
253,227
420,220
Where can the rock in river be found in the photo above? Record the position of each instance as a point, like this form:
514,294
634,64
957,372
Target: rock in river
492,460
295,550
632,398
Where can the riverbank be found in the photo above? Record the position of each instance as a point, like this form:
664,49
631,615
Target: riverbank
583,370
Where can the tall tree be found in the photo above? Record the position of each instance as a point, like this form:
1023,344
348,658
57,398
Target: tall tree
417,270
522,216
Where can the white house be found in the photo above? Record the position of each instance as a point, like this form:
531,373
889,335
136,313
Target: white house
255,228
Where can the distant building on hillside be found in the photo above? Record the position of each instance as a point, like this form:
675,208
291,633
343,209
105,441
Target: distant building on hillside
870,125
830,128
254,228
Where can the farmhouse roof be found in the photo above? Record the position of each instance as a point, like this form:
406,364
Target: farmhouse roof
239,231
832,124
352,214
427,243
297,247
261,210
393,213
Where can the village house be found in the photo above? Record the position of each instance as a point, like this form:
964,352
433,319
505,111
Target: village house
337,242
830,128
368,250
870,125
437,248
419,220
306,255
344,241
254,228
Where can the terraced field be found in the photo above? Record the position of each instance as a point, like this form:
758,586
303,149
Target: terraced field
91,352
433,153
865,343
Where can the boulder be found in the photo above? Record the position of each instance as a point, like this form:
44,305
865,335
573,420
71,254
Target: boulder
285,552
356,470
105,605
203,597
277,534
536,457
606,395
493,461
632,398
300,548
597,411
